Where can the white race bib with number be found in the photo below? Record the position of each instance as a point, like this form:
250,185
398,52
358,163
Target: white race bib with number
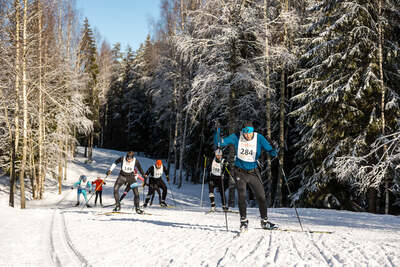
128,167
158,172
216,168
247,150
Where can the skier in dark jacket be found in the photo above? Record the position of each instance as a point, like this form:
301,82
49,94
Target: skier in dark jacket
248,146
155,173
126,176
218,179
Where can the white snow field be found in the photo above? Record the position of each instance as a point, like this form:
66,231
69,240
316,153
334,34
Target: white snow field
52,232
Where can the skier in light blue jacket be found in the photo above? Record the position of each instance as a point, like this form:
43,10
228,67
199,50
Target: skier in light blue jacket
84,186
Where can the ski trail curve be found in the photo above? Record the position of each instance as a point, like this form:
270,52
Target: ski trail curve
62,251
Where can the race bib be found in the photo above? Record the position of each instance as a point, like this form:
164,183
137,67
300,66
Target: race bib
128,167
216,168
158,172
247,150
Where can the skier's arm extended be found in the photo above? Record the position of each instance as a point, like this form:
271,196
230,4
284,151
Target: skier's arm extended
116,162
267,146
139,167
230,140
166,172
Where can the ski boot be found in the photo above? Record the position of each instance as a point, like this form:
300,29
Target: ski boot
139,211
244,224
88,206
225,208
117,207
267,225
163,204
144,205
77,204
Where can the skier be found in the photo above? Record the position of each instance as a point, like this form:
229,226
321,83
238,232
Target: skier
98,190
248,146
155,173
126,175
218,179
83,186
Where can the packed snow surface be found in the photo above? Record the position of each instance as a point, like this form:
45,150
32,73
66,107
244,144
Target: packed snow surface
52,232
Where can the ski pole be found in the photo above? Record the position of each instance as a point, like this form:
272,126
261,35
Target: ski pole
172,194
224,200
202,184
294,205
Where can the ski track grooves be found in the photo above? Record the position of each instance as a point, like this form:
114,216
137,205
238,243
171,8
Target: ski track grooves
321,252
63,236
355,246
385,256
255,248
295,248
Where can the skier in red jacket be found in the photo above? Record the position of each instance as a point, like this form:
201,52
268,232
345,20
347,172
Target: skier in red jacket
98,189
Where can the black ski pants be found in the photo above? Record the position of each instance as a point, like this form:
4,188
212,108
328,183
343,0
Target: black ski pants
156,184
222,184
98,194
121,180
253,179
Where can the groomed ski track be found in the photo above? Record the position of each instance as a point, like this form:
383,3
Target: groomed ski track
186,236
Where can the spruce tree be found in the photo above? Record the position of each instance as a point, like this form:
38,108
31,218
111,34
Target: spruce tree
88,64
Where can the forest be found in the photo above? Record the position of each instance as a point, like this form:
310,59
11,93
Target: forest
319,78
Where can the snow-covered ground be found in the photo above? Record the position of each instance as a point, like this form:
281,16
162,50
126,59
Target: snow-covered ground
52,232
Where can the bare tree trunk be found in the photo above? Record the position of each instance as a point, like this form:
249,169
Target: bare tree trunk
171,142
199,158
33,176
182,152
65,156
90,146
177,126
25,104
380,57
278,194
12,158
267,104
59,161
372,200
41,126
13,177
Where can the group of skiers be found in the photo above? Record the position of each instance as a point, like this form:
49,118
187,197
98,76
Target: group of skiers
128,176
245,173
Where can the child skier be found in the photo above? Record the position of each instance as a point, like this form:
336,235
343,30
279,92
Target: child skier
84,186
217,179
98,190
155,172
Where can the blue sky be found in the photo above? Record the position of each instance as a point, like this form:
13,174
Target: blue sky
124,21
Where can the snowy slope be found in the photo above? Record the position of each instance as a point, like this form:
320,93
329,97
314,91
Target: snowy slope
53,233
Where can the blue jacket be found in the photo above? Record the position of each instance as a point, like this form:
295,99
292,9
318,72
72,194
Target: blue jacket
262,144
88,186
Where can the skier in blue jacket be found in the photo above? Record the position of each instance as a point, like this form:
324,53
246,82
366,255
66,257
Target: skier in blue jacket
84,186
248,146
